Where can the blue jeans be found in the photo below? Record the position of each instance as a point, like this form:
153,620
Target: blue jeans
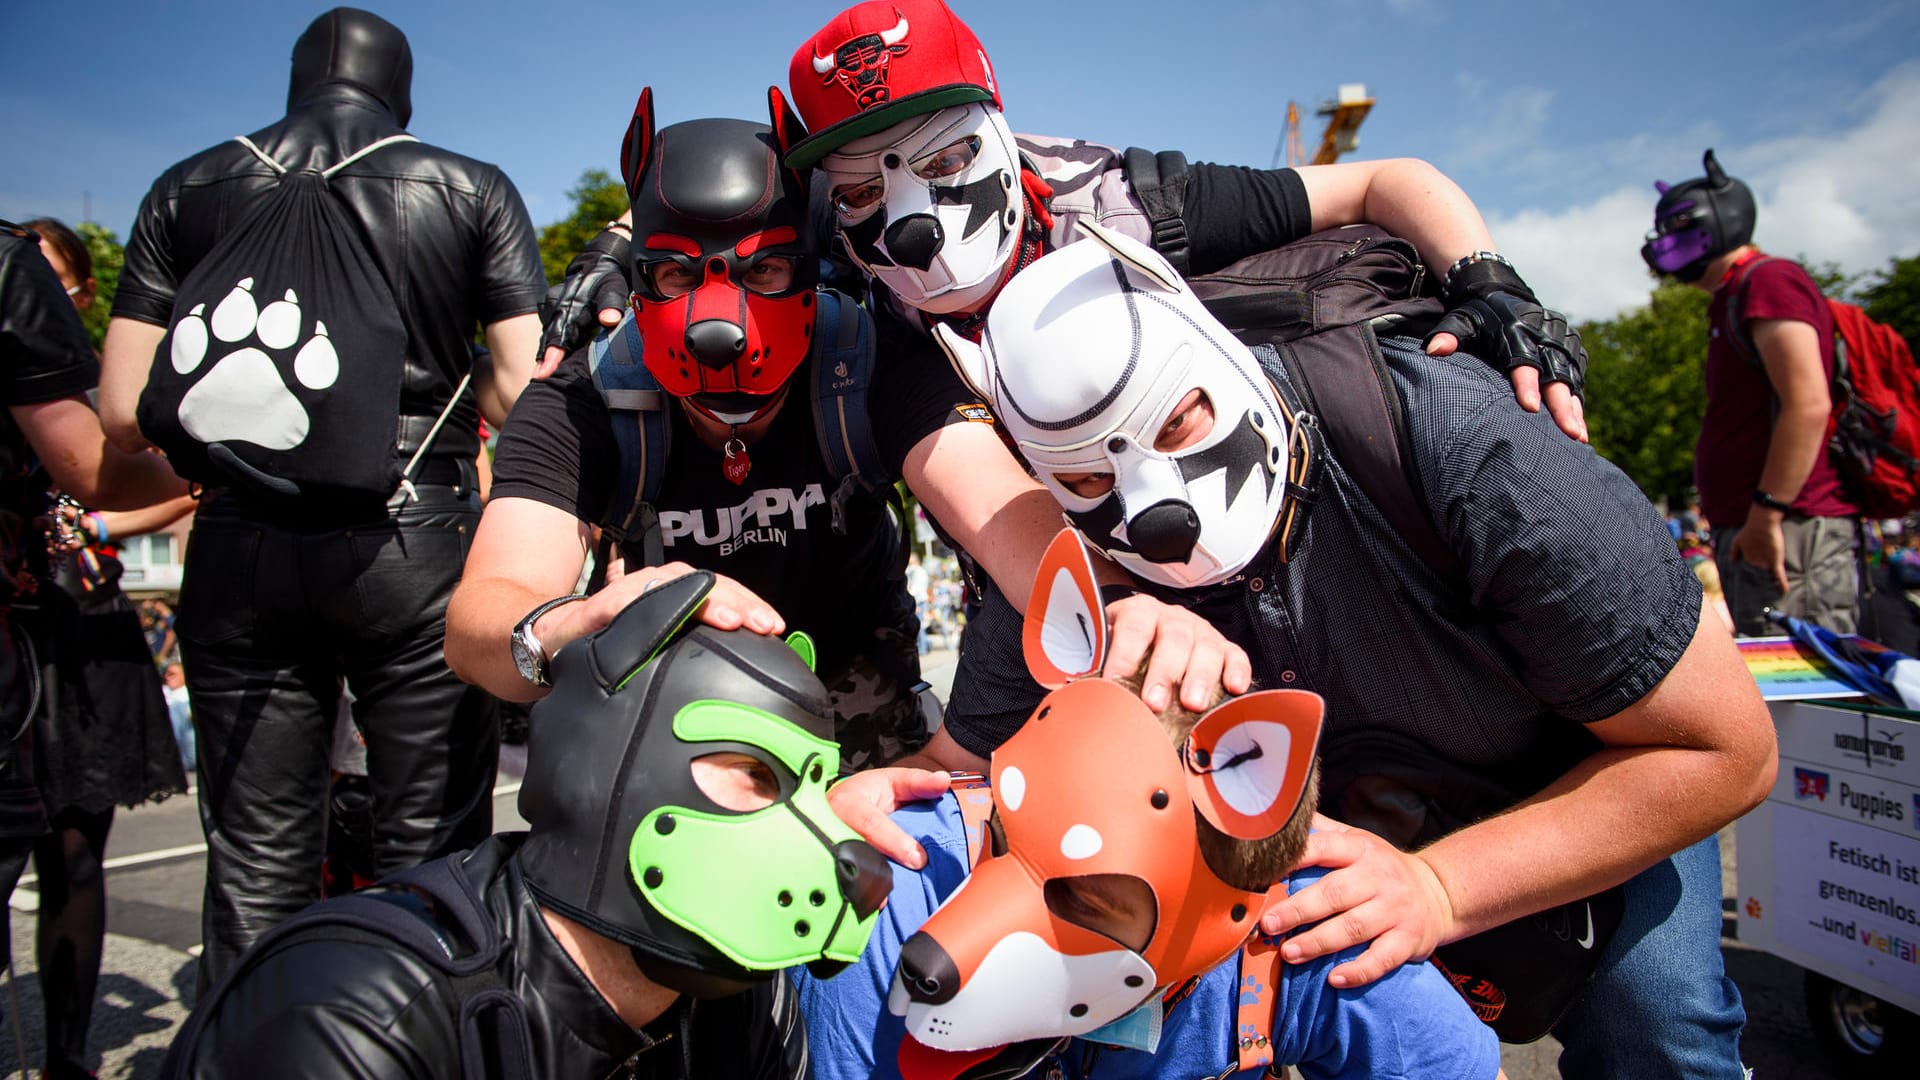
1661,1004
180,712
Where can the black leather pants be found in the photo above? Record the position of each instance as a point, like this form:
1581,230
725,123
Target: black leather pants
273,619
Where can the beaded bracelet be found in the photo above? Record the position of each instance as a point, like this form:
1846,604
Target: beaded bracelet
1471,257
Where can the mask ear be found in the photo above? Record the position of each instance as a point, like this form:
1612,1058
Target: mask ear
1662,186
1716,176
1248,760
637,147
969,360
1066,630
644,627
1135,254
800,642
787,129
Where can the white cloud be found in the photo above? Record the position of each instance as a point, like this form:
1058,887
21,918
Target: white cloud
1585,260
1847,196
1509,130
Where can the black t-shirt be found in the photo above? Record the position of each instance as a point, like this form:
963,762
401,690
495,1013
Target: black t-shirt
772,533
44,356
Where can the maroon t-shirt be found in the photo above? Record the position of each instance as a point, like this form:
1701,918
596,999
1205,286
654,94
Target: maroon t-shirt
1740,405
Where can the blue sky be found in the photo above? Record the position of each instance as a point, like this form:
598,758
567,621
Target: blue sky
1555,116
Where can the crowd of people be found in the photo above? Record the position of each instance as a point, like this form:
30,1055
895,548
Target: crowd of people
1331,683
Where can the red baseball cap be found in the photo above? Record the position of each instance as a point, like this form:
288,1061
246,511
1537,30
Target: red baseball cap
878,63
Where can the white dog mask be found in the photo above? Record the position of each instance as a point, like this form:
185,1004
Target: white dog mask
932,206
1091,357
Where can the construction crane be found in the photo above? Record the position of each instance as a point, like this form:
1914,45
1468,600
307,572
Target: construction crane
1343,114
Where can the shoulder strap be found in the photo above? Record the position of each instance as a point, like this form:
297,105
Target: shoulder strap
1347,386
328,172
642,433
975,796
1258,999
843,366
1159,181
843,370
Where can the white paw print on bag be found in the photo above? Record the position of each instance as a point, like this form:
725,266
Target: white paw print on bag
243,397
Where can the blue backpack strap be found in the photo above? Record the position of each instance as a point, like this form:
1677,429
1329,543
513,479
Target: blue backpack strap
844,360
642,432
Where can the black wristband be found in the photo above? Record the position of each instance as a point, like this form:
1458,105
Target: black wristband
615,245
1473,280
1761,498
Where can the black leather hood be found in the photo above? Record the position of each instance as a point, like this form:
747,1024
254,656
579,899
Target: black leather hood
602,754
347,45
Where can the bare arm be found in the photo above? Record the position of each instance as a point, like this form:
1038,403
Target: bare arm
147,519
524,554
66,435
1703,731
125,359
1413,200
1407,197
1692,755
1790,351
992,508
513,343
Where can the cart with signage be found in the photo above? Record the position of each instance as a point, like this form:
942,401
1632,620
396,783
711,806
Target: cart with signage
1829,864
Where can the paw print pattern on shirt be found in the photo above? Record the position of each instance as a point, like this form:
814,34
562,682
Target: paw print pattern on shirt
243,395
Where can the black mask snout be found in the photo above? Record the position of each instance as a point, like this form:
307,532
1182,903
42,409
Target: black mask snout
1165,532
864,876
930,975
914,240
716,343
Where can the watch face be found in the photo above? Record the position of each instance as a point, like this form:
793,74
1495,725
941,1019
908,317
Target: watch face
526,657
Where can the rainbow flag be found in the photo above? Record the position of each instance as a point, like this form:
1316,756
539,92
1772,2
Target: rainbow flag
1788,672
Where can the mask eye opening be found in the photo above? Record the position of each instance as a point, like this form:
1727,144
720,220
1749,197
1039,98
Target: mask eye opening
668,276
1119,907
856,200
740,782
949,160
1191,421
772,272
1087,485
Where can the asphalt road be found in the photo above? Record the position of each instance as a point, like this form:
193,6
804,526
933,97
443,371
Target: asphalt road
156,871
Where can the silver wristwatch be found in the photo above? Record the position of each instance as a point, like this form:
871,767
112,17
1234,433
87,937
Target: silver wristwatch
528,654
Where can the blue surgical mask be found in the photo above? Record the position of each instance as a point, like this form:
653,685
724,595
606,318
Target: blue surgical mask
1138,1030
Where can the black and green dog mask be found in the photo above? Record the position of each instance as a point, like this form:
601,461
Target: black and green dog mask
623,841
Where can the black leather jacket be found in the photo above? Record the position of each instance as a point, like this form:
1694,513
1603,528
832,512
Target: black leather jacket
327,1006
449,233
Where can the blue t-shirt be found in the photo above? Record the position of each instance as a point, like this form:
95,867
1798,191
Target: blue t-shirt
1410,1024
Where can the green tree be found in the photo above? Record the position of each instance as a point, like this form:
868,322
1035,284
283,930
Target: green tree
108,256
1893,297
1647,393
597,199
